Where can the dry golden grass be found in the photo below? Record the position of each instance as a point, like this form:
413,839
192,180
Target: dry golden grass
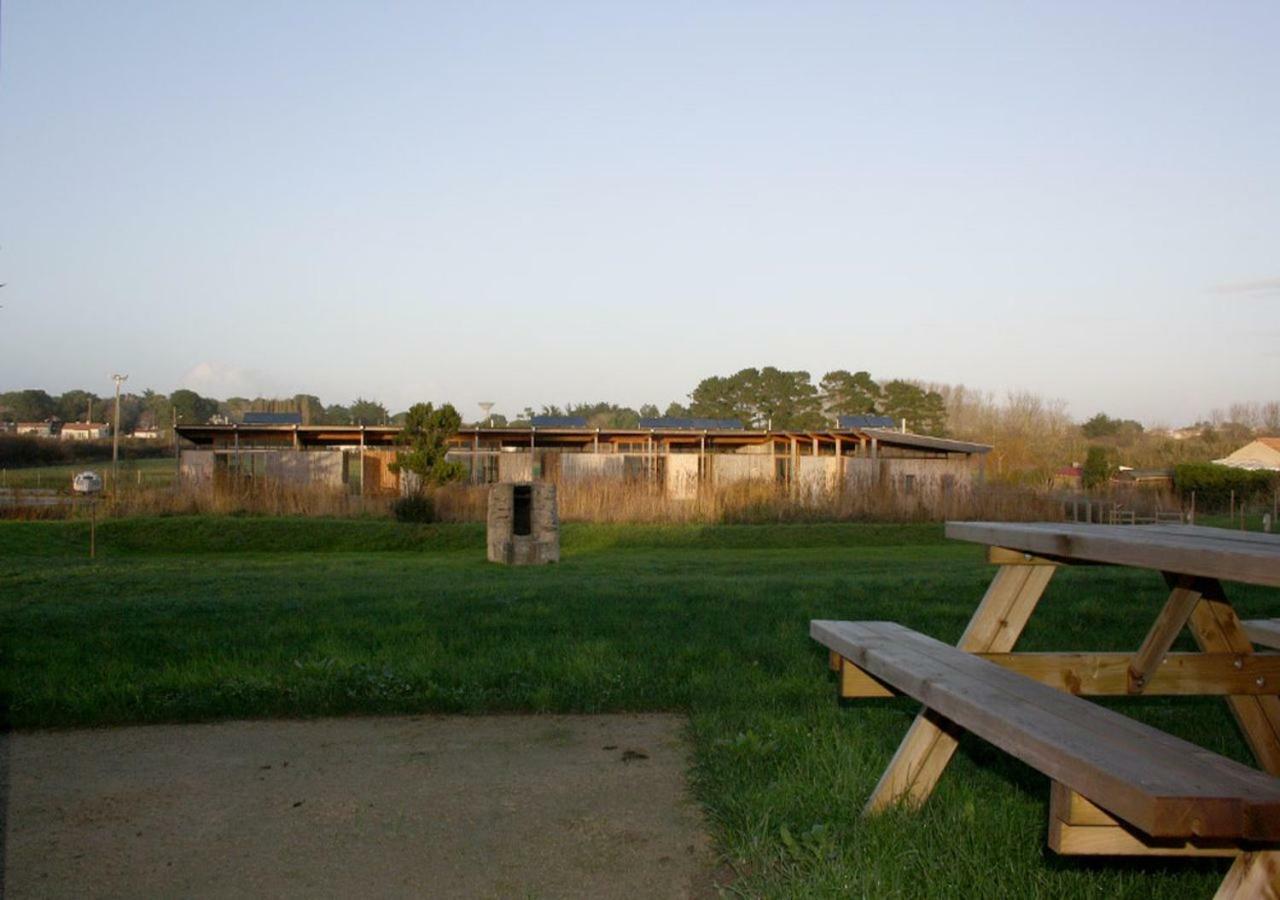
591,501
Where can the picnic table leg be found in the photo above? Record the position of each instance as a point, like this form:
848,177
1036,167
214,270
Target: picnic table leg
1252,875
931,741
1217,628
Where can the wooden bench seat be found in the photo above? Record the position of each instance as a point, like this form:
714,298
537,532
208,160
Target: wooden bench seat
1160,784
1263,632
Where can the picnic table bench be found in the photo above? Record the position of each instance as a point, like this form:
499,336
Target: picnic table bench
1118,787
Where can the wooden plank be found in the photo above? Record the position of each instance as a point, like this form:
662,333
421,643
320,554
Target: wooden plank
1263,631
1074,808
1161,784
1079,827
1173,617
1179,674
1190,554
930,742
1116,840
1217,629
833,661
855,683
1220,534
1252,876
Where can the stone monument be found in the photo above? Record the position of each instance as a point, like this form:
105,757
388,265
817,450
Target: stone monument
524,524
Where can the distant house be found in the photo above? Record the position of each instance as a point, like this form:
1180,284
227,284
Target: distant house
1263,453
47,428
85,431
1069,477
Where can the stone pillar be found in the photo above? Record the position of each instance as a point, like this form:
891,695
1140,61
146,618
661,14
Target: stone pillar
523,524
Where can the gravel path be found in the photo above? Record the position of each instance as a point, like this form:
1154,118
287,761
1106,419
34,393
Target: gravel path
524,806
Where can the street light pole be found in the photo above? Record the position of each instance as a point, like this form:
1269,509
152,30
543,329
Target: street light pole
115,434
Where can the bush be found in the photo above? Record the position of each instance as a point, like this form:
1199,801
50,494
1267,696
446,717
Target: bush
414,508
1213,484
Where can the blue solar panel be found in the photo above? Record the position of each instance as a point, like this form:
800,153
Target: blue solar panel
559,422
270,418
865,422
671,423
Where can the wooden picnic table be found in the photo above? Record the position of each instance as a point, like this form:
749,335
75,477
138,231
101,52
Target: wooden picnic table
1127,789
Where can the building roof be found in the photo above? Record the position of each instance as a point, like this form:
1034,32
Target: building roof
273,418
1260,453
558,422
685,424
865,422
567,437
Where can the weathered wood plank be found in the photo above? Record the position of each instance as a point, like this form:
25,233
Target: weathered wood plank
1163,785
1188,554
1265,632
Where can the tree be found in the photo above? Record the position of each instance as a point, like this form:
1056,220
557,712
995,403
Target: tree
368,412
28,406
677,411
337,414
191,407
649,411
925,411
846,394
425,438
1097,467
760,398
73,406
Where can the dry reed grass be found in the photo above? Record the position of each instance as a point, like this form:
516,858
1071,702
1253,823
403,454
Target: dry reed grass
747,502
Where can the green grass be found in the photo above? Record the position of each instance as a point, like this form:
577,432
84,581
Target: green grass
189,619
152,472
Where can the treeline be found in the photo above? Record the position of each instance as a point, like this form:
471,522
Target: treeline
152,410
1031,437
778,399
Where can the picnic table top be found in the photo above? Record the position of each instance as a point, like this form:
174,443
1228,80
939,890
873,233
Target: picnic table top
1245,556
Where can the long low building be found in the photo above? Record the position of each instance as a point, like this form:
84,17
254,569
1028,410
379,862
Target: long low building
682,461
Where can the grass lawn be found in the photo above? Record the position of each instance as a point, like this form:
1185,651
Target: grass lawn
198,619
156,472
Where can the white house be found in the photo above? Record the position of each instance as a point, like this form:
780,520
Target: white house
1263,453
85,431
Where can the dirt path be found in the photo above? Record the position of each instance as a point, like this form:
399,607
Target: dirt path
508,806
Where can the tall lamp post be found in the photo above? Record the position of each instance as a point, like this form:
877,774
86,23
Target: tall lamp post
115,435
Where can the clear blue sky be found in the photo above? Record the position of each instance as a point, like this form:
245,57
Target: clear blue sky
543,202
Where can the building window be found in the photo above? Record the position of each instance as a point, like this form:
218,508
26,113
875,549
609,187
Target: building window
908,484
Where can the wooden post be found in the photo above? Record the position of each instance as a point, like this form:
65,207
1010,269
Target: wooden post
362,462
93,527
931,741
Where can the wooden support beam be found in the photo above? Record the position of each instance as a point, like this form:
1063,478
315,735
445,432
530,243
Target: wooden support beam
930,742
1217,629
1177,674
1177,610
1078,827
1252,875
854,682
1003,556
